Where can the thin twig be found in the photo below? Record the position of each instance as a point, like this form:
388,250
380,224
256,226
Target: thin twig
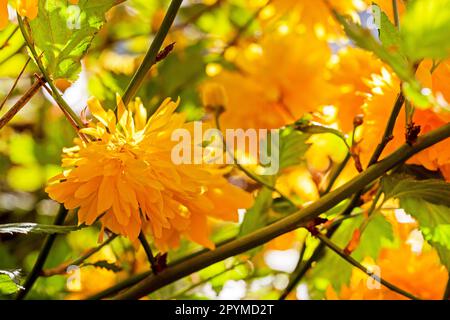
6,42
20,103
289,223
43,254
14,84
148,252
356,264
249,174
139,277
335,173
150,57
396,15
61,269
54,91
206,280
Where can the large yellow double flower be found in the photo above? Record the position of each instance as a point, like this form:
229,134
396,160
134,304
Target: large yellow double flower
125,178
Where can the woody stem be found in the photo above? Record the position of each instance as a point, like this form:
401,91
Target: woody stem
289,223
150,57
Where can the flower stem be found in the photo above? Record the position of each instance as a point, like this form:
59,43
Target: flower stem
248,173
447,289
396,15
37,268
61,269
67,110
150,57
289,223
148,252
206,280
139,277
21,103
356,264
336,172
14,84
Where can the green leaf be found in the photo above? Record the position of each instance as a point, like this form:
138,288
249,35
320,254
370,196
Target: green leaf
28,227
428,201
403,186
378,234
433,219
9,281
332,269
426,29
293,146
256,217
364,39
104,265
390,36
64,32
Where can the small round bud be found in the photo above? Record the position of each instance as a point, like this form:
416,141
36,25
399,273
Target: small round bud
214,96
358,120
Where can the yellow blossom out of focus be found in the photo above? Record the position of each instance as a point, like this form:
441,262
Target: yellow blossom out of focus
214,95
420,274
298,181
125,178
315,16
349,74
86,281
385,88
26,8
325,149
272,80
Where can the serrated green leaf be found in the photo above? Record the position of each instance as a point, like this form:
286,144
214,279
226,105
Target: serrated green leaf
426,29
433,219
293,145
364,39
428,201
256,217
28,227
390,36
64,32
403,186
378,234
9,281
104,265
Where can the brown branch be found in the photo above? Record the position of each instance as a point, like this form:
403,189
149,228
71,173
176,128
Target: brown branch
21,102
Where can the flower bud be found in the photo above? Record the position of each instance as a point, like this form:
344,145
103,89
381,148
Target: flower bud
214,96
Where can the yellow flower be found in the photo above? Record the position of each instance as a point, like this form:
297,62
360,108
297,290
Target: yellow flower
420,274
125,178
349,74
26,8
378,106
278,79
315,15
87,280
